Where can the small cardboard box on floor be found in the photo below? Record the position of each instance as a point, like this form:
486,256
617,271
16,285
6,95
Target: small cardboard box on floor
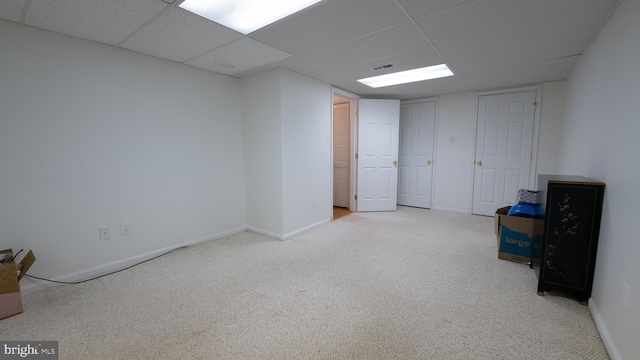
517,235
10,275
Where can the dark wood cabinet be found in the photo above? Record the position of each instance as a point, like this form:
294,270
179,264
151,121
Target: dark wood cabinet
573,208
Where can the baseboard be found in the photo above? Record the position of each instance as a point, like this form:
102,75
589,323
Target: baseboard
39,285
604,333
288,235
305,229
458,211
265,233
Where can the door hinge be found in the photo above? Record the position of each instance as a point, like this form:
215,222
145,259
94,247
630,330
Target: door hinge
355,197
356,156
535,106
531,158
357,113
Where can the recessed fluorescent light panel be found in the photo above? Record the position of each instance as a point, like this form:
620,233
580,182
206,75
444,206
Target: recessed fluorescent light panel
408,76
245,16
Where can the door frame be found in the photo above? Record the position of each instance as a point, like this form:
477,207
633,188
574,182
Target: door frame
353,127
536,134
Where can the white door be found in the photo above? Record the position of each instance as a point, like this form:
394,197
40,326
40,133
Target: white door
378,124
415,158
503,149
341,150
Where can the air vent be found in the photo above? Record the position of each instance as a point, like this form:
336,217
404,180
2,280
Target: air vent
382,67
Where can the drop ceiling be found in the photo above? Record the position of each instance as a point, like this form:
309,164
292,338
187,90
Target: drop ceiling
488,44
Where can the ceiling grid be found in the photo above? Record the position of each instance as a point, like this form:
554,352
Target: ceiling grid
487,43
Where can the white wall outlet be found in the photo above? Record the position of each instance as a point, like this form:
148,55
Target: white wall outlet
125,228
626,292
313,203
105,233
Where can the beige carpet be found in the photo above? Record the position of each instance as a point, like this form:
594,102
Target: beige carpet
414,284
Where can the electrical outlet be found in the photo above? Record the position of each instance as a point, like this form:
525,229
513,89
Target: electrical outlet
105,233
313,203
626,292
125,228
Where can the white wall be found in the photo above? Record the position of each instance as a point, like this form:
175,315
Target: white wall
287,122
92,135
453,162
262,119
552,114
600,140
306,143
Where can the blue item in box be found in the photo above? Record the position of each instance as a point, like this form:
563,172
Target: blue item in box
522,210
531,211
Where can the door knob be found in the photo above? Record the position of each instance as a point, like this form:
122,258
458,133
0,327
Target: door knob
479,162
428,162
395,162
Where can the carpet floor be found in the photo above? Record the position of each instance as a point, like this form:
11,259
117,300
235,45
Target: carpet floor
410,284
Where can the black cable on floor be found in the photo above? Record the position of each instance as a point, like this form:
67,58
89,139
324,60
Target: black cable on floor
111,273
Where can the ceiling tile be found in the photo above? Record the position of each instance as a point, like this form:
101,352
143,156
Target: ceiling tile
428,91
520,80
330,22
340,81
486,16
292,63
475,73
379,44
489,44
242,54
180,35
104,21
299,65
414,59
331,77
554,38
11,10
420,8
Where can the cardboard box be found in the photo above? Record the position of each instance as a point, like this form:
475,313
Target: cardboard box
516,236
10,275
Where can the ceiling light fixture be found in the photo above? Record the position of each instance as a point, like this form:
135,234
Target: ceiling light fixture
245,16
408,76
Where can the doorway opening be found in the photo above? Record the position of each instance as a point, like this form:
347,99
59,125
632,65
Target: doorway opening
344,145
341,154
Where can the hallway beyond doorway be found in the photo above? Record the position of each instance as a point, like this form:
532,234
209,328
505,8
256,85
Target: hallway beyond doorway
339,212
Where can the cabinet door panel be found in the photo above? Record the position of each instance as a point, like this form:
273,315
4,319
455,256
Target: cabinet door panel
568,242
